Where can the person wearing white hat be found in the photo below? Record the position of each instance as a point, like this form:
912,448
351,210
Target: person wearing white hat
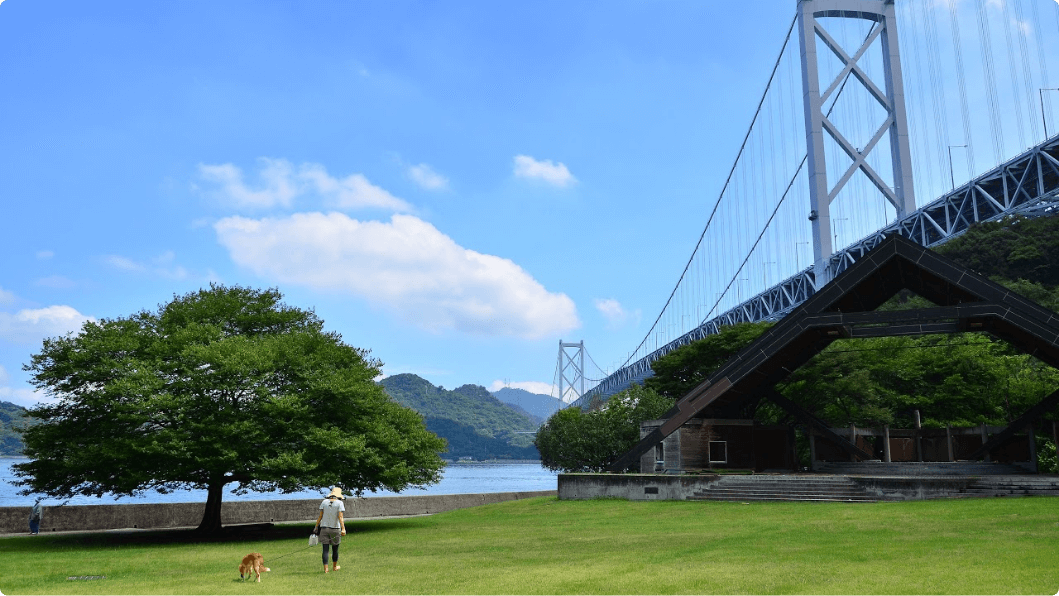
331,526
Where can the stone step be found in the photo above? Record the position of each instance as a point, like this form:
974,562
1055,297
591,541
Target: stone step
785,485
803,498
822,480
791,489
973,492
783,488
1012,487
868,468
1045,482
842,496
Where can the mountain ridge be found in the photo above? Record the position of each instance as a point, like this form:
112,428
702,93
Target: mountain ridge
474,422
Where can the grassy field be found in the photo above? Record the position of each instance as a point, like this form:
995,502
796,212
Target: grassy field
974,546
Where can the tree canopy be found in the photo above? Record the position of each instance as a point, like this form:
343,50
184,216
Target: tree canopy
223,385
576,441
685,368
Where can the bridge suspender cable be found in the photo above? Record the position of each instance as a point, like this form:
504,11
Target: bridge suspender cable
719,198
772,216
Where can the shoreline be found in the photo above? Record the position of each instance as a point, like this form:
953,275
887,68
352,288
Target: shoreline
164,516
458,478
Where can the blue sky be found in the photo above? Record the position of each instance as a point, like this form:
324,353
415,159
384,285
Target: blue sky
456,186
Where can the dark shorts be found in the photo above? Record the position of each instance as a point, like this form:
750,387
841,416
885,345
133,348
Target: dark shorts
330,535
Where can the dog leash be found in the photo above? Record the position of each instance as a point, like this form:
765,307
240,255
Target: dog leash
292,553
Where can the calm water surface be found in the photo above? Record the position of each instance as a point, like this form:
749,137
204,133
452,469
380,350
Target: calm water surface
457,478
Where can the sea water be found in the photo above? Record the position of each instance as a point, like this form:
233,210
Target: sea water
457,478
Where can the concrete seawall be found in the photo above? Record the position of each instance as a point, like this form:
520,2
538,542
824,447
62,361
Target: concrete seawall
72,518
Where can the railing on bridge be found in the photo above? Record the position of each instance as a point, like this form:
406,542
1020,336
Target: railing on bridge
1027,185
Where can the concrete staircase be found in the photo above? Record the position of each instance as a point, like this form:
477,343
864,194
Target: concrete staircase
960,468
776,487
1012,486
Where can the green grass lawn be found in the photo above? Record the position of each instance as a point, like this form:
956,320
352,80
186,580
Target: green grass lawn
973,546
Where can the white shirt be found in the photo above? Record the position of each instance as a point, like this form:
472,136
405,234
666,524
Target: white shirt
331,508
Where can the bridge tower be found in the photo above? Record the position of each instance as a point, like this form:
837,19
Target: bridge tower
571,370
891,98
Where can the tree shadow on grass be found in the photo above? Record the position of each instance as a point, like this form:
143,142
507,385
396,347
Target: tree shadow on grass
265,532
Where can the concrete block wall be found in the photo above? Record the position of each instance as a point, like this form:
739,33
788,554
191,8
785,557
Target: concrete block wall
635,487
72,518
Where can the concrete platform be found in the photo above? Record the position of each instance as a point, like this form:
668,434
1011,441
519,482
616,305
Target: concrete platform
893,485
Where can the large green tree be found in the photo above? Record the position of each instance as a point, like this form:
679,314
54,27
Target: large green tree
223,385
576,441
685,368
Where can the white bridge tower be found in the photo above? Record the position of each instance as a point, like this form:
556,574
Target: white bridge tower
890,97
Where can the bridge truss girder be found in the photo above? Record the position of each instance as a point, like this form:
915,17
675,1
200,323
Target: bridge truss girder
1026,185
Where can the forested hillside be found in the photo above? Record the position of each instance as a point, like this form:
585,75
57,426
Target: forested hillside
11,416
1011,249
469,417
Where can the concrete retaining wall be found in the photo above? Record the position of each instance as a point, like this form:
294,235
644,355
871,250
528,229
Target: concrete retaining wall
635,487
913,488
663,487
14,520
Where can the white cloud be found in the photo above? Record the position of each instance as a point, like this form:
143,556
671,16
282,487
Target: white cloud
538,387
351,192
29,326
24,397
614,312
162,266
548,171
281,183
277,187
6,297
57,282
123,263
405,265
427,178
45,254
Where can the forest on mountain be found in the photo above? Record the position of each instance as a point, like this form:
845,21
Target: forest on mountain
475,423
12,417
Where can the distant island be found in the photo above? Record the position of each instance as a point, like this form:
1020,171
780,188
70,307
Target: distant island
476,424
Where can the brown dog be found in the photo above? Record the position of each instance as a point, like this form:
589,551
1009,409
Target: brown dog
252,563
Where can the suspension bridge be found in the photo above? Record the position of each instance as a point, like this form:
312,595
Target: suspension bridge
872,112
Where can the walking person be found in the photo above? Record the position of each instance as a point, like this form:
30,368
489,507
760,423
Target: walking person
35,516
331,526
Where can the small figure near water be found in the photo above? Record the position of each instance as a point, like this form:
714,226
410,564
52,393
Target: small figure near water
35,516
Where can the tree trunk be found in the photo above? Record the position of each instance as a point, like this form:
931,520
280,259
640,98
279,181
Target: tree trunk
211,517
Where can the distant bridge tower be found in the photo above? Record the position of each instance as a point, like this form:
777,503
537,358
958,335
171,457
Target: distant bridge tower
571,370
884,30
